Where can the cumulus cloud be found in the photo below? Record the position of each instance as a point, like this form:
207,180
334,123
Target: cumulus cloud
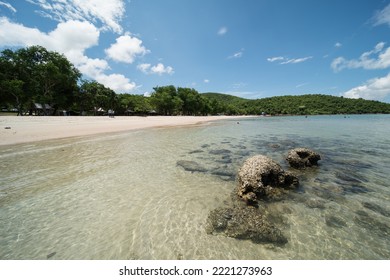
338,45
158,69
382,16
374,89
126,49
8,5
92,67
13,34
117,82
378,58
144,67
222,31
107,13
72,38
284,60
206,81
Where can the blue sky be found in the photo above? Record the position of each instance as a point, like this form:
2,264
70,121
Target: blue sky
248,48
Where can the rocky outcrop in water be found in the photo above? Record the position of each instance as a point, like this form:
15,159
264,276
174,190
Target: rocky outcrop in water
261,177
260,180
244,223
302,157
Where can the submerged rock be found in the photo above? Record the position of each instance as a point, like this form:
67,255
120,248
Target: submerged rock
220,152
347,178
273,146
225,159
261,177
355,189
315,203
334,221
244,223
376,208
302,157
242,153
191,166
223,172
196,151
239,146
371,224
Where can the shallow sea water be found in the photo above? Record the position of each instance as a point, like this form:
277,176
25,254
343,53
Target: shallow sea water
123,196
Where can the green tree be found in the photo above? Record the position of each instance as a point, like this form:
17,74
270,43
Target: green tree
94,97
138,104
40,76
11,84
192,101
166,100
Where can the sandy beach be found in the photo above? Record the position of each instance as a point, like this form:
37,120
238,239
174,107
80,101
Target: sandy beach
15,130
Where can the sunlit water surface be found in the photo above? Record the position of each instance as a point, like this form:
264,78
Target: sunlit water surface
123,196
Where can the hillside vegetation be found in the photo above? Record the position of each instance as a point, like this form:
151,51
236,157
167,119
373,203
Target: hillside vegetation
309,104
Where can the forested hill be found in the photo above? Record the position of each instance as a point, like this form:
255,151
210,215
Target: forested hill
309,104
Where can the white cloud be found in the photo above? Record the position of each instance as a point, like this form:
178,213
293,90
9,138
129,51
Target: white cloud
144,67
374,89
236,55
296,60
8,5
338,45
222,31
383,16
72,38
117,82
206,81
13,34
157,69
276,58
366,60
285,60
161,69
108,13
126,49
338,64
92,67
301,85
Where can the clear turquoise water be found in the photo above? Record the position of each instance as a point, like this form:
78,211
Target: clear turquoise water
122,196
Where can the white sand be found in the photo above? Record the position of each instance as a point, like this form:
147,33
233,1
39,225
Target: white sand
23,129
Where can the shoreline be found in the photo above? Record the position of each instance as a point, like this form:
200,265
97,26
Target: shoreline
27,129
